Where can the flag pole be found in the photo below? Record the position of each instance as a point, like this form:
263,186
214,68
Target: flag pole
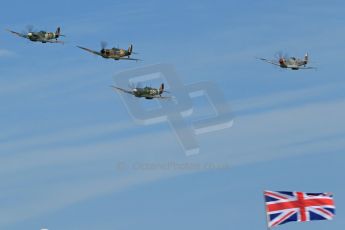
266,213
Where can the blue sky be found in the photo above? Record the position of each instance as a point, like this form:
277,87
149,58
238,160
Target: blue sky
65,133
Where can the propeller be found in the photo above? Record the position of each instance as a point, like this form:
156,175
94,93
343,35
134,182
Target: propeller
134,85
30,28
103,46
280,55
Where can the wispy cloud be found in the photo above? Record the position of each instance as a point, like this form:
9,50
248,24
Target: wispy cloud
75,135
288,98
76,170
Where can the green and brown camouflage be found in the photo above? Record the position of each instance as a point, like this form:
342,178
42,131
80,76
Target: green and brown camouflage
146,92
113,53
41,36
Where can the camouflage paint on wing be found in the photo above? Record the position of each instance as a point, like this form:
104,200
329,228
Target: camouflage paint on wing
18,34
89,50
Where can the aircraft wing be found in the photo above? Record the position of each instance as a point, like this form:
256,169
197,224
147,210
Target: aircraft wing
123,90
310,67
161,97
91,51
130,59
269,61
54,41
18,34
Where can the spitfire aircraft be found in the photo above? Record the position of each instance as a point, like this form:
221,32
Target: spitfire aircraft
113,53
146,92
41,36
290,62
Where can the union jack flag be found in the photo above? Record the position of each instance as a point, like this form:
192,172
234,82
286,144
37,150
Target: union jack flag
283,207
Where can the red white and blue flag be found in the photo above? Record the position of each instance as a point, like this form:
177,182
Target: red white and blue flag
283,207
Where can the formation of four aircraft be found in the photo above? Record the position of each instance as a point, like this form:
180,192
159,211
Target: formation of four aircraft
125,54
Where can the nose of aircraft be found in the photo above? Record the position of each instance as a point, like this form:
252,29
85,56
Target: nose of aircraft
281,61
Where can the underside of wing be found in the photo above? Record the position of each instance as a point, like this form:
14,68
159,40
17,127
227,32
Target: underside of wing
269,61
129,59
310,67
123,90
296,67
18,34
160,97
53,41
91,51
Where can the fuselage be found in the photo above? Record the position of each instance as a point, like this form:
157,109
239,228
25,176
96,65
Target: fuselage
147,92
41,36
114,53
292,63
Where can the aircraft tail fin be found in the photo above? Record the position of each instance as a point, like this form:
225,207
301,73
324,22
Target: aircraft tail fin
161,89
306,58
130,49
58,33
